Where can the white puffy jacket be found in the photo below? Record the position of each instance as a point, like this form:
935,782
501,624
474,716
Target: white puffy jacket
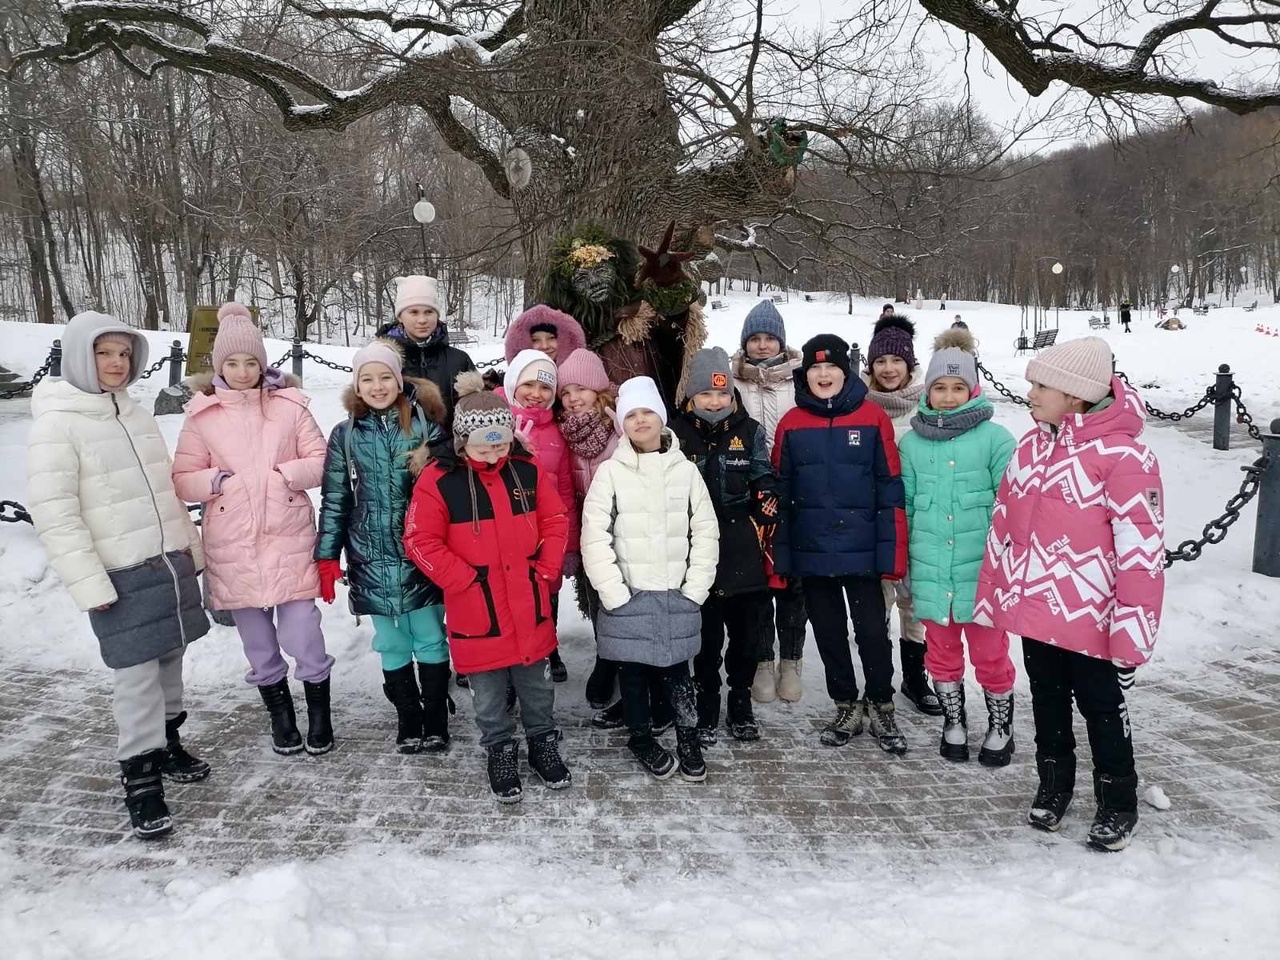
767,392
99,489
648,524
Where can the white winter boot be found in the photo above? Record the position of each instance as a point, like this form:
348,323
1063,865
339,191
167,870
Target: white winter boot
764,689
790,688
955,730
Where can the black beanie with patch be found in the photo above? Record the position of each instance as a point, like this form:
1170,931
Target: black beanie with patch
826,348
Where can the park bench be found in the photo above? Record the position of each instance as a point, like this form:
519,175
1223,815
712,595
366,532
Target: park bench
1201,311
1099,323
809,298
718,305
1251,307
779,298
1043,339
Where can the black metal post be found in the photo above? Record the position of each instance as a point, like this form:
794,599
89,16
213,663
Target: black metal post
296,354
855,358
1266,537
175,363
55,359
1222,408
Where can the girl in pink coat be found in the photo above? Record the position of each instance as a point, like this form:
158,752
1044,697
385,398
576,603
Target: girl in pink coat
546,330
530,389
249,451
1075,565
586,419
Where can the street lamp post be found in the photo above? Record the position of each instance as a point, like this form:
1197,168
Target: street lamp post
1057,303
1244,276
424,212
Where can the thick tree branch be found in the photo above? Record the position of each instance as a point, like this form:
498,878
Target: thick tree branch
1036,59
511,28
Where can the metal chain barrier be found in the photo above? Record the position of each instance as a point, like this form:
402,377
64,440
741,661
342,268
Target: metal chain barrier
157,366
1210,395
283,360
1242,414
1001,388
19,512
23,389
1215,531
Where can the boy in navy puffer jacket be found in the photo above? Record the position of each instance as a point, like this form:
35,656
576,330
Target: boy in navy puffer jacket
842,528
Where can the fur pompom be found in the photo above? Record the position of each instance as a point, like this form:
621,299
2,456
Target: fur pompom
467,383
955,337
895,320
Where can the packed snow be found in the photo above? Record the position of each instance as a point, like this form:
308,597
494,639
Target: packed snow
1167,897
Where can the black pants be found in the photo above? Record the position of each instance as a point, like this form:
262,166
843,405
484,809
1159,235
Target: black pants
825,599
740,616
784,617
1056,675
643,685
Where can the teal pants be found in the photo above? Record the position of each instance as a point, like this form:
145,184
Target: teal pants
417,635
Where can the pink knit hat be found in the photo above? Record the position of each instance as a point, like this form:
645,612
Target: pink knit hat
585,369
1080,368
237,333
378,352
115,336
418,291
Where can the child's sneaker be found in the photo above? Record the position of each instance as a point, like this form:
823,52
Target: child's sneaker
847,724
884,727
997,746
652,756
544,760
692,767
741,720
504,772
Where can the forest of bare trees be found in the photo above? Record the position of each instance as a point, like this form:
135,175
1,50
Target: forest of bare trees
166,173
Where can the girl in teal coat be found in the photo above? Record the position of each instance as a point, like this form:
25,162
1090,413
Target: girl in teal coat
364,495
952,463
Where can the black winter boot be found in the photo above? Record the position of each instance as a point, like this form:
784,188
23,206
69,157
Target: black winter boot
741,720
559,672
915,682
1057,784
144,795
708,717
601,683
1117,816
436,706
178,765
319,725
652,755
285,738
610,718
401,689
504,772
544,760
883,723
688,748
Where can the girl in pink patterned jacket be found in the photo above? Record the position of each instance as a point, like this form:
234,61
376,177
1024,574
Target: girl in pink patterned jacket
1075,565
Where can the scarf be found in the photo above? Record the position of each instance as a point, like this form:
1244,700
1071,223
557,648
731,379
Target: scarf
586,434
949,424
900,402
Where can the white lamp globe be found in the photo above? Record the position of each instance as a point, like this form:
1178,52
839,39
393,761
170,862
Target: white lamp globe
1057,268
424,211
1175,269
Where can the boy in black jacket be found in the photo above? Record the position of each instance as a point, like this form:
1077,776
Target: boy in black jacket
730,451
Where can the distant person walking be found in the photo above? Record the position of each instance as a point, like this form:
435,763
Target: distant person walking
1126,315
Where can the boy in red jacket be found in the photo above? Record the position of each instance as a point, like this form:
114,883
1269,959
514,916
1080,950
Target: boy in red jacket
488,528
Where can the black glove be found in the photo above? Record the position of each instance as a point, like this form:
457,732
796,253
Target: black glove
764,509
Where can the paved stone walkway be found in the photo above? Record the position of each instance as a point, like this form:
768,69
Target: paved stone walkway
1212,742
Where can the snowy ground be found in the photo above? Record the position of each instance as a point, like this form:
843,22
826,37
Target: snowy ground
1188,887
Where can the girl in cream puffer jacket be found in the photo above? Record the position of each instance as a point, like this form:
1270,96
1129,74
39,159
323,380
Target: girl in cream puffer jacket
124,546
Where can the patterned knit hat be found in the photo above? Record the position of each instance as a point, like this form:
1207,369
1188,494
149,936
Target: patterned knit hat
893,336
953,357
764,318
418,291
381,352
709,370
237,333
480,416
826,348
585,369
1079,368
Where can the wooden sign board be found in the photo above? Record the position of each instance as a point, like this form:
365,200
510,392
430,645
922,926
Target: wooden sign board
201,332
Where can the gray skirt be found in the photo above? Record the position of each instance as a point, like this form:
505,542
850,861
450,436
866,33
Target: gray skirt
157,609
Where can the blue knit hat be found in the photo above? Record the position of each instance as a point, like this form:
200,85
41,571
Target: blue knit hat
764,318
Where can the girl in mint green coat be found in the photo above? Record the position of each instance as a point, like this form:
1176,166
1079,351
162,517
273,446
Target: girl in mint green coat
952,463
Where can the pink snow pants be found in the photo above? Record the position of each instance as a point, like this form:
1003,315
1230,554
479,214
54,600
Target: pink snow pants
988,652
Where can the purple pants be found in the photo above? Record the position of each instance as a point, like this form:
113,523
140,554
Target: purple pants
295,630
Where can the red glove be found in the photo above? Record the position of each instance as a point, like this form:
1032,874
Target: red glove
330,574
